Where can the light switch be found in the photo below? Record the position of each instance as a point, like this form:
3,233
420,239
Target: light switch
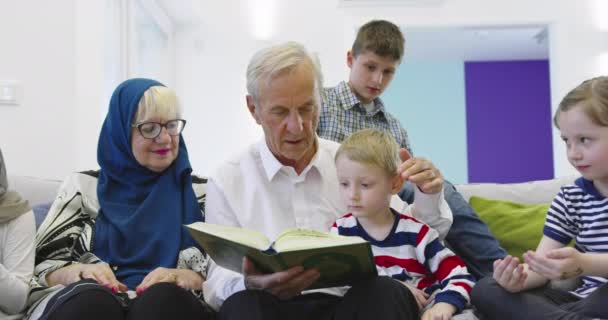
9,93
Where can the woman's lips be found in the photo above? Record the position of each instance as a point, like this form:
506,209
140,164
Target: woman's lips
162,152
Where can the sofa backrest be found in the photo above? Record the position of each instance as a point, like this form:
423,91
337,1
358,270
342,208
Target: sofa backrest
35,190
533,192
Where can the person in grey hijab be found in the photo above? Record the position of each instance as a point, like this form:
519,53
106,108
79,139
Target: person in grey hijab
17,234
11,203
3,180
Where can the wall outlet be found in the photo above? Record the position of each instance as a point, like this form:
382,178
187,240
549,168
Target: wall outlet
9,93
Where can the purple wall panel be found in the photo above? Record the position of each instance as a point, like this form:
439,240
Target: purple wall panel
508,112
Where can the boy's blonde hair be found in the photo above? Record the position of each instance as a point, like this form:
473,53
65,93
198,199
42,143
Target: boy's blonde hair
372,147
592,96
158,101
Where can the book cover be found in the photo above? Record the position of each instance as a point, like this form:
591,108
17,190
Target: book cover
340,260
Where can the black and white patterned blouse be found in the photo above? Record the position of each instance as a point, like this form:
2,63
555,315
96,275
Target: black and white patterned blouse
65,236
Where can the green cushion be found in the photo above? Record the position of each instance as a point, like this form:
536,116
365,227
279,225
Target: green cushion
518,227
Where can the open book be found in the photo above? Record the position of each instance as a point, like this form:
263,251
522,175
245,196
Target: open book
340,260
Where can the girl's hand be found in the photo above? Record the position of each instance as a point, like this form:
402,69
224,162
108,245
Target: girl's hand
440,311
562,263
184,278
510,274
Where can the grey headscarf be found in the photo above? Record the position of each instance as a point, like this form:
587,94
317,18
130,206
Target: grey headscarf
11,203
3,181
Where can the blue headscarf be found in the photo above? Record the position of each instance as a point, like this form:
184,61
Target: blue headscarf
139,226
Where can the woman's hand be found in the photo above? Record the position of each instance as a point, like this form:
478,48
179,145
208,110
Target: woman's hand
440,311
422,298
100,272
420,172
184,278
510,274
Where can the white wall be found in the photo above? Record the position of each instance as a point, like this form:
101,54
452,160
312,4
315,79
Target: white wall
216,72
38,50
55,50
212,60
90,85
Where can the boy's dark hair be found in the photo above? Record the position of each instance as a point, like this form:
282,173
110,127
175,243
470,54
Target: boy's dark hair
381,37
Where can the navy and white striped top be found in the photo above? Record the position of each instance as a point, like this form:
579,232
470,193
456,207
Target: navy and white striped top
580,212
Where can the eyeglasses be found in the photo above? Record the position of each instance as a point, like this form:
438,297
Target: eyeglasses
151,130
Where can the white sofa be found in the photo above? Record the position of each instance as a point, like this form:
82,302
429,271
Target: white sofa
43,191
533,192
35,190
39,192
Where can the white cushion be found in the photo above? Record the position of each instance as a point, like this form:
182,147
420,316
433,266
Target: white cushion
35,190
533,192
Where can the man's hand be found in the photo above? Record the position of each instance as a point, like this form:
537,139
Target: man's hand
284,285
420,172
440,311
563,263
510,274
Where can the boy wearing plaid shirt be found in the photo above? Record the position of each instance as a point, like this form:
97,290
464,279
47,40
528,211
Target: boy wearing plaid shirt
355,105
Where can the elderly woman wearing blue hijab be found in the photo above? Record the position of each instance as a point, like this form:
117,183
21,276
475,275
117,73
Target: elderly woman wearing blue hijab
113,245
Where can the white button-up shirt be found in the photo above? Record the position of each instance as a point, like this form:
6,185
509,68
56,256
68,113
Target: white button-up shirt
255,191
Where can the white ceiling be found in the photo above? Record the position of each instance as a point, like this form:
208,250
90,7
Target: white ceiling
479,43
372,3
476,43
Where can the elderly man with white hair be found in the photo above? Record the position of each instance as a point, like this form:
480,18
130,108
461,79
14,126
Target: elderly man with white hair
289,180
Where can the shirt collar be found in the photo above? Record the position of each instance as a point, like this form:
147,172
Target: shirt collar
272,166
350,100
588,187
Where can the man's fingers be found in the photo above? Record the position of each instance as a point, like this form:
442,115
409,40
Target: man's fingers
404,154
256,280
431,187
249,267
295,285
422,173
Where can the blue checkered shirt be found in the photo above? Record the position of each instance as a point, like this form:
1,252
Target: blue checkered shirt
342,114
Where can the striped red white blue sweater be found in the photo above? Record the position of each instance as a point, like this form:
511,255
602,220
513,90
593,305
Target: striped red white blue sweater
580,212
412,253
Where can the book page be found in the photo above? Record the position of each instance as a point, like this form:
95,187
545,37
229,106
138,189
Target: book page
251,238
298,239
